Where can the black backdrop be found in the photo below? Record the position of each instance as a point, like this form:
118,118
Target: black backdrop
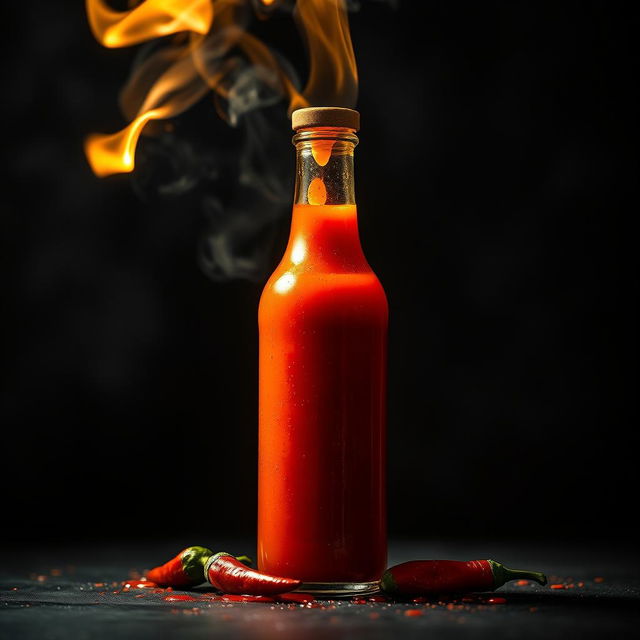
494,183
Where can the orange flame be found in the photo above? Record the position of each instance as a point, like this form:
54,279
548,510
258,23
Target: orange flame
174,78
150,19
333,76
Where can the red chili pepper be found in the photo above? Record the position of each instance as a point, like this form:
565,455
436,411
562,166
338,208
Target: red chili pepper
185,570
227,574
432,577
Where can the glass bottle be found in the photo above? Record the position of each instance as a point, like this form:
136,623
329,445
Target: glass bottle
323,341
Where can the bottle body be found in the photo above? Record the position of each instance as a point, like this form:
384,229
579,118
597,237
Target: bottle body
323,341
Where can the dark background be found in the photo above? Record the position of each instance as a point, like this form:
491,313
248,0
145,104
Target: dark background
494,183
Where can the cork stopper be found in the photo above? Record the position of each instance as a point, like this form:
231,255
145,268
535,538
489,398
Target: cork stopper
325,117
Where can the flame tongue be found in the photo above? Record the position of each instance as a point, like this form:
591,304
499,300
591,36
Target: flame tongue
150,19
173,78
114,153
176,87
333,76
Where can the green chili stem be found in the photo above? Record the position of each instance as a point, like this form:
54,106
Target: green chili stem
502,574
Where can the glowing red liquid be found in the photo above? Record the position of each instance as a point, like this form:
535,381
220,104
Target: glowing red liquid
323,333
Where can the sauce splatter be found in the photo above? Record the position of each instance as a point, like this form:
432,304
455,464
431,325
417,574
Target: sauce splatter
181,597
137,584
302,598
414,612
236,598
317,192
321,151
556,586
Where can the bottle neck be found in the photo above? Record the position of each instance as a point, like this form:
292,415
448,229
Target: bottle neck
324,166
324,229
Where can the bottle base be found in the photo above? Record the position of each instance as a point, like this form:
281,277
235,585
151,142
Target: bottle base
340,589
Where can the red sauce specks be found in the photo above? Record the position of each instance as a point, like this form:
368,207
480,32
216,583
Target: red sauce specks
289,598
137,584
414,612
210,597
302,598
235,598
556,586
180,597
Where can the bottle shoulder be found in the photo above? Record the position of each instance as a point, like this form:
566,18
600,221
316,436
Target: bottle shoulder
356,293
288,277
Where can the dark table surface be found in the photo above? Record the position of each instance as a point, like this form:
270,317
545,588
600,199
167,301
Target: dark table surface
77,593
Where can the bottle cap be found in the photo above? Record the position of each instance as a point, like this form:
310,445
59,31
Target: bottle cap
325,117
